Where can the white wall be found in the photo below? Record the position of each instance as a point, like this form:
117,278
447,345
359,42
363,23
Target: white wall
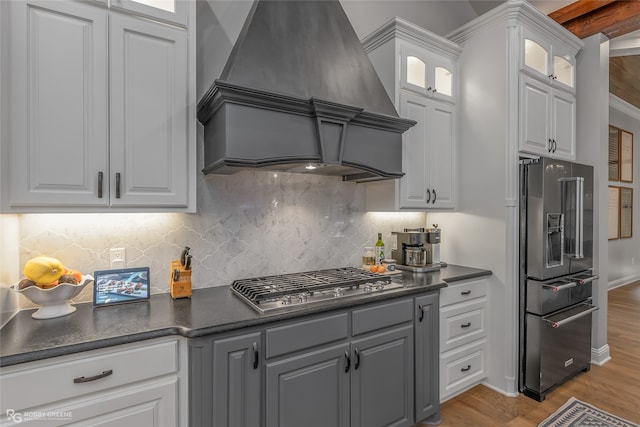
624,254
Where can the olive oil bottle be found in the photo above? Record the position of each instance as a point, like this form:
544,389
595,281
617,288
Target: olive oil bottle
379,250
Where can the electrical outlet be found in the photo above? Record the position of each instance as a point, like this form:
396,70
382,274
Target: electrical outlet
116,257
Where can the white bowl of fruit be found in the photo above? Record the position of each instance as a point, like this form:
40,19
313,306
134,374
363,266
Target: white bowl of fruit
51,285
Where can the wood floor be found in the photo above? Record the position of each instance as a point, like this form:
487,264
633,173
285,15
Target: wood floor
613,387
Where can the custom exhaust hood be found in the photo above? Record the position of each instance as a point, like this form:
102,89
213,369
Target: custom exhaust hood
299,94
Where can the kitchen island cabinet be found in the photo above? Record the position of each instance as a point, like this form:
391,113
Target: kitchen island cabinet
419,72
137,384
101,103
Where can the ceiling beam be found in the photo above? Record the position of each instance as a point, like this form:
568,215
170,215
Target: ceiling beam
587,17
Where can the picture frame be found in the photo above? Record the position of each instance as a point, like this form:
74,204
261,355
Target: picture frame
626,212
620,212
620,159
614,212
626,156
121,286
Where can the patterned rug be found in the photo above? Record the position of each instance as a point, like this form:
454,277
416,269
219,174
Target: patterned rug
575,413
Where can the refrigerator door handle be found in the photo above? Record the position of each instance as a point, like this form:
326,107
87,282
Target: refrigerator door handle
559,323
578,237
559,286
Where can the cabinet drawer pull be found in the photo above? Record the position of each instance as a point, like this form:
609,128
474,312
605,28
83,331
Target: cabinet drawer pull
466,369
255,355
428,196
434,196
93,378
421,309
465,325
346,356
550,145
117,185
465,293
357,364
100,178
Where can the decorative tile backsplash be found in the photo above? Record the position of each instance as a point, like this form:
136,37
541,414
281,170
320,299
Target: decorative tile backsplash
253,223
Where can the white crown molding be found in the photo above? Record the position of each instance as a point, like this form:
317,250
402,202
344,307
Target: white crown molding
405,30
623,106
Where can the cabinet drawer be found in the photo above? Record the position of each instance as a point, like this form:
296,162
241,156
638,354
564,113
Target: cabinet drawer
302,335
382,316
37,383
461,325
461,369
463,291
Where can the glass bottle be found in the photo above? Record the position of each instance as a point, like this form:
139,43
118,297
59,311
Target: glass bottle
379,250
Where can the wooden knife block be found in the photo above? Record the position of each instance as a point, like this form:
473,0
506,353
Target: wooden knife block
180,288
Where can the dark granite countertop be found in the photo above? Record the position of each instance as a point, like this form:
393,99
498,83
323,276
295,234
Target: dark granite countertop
208,311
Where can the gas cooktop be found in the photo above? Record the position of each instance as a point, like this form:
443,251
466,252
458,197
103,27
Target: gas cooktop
299,289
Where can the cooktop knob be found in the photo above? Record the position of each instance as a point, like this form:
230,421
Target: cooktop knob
286,299
379,285
338,292
367,287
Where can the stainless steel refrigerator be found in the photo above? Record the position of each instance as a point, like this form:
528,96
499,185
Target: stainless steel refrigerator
556,273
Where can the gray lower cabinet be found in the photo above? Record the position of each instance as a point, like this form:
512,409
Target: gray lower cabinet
225,381
372,366
427,359
382,379
310,389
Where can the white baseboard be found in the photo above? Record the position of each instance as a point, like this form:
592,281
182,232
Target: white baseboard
600,356
505,393
623,281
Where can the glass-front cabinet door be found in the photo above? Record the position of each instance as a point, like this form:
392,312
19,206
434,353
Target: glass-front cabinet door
427,74
174,11
547,62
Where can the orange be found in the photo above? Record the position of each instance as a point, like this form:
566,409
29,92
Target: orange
381,269
373,269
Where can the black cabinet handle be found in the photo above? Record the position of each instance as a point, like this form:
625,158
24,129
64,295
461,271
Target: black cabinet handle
421,316
80,380
434,196
255,355
555,145
465,325
466,369
117,185
550,145
465,293
357,364
428,196
346,356
100,178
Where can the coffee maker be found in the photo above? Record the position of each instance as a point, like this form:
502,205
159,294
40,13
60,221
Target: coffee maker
418,249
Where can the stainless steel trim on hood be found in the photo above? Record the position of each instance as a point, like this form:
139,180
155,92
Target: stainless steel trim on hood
298,88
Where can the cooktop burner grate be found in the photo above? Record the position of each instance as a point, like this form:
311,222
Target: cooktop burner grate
260,289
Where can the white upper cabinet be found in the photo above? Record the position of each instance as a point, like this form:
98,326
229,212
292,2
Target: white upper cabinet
427,73
547,61
148,113
59,117
418,70
100,111
547,96
547,120
174,11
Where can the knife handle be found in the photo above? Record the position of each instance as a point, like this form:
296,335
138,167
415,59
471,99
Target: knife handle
183,256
